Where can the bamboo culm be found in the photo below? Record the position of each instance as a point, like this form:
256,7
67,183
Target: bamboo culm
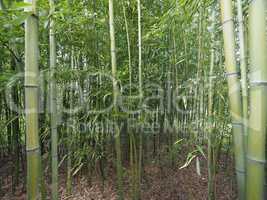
53,104
141,94
243,67
115,99
211,167
258,97
234,88
31,103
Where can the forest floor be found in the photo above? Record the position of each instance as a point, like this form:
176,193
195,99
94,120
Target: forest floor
159,183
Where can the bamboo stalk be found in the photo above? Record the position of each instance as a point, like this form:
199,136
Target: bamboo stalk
133,156
70,129
129,48
115,98
31,102
141,95
243,67
258,97
211,166
53,105
234,93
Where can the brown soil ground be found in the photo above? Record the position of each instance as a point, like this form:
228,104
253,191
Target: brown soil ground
159,183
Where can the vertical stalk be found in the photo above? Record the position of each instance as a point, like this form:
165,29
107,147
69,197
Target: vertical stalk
199,65
53,105
31,102
234,93
69,162
211,167
139,48
140,93
258,97
15,128
115,97
243,67
70,129
129,48
133,156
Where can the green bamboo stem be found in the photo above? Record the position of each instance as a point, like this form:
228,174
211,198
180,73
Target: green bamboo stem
16,135
15,126
141,94
53,104
211,167
258,97
199,65
69,164
129,48
243,67
234,93
115,98
31,102
70,129
140,48
133,156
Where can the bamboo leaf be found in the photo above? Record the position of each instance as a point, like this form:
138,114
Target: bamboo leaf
189,160
200,149
77,169
20,5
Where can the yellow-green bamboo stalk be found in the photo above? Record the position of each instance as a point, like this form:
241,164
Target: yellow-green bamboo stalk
31,102
129,48
133,156
140,48
211,167
70,130
53,105
243,67
115,97
198,88
258,101
234,93
141,94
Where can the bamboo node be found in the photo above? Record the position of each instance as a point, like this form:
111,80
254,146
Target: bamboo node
231,74
228,20
237,124
262,162
33,150
31,86
241,171
258,83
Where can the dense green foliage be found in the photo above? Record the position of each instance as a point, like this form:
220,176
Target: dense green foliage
169,84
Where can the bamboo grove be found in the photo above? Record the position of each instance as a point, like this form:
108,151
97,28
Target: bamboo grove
109,88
